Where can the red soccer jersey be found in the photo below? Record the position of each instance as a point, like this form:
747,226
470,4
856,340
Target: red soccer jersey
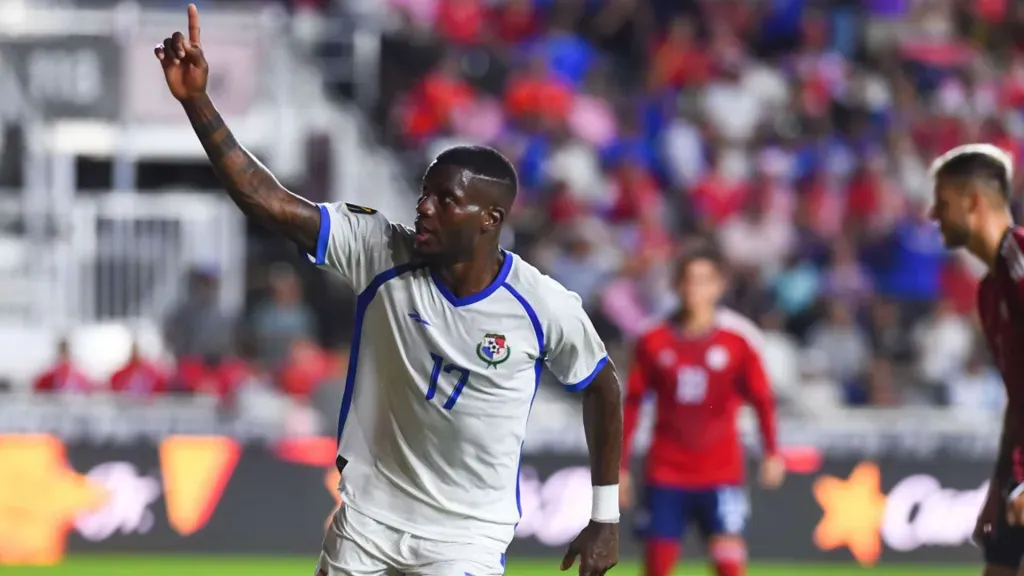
1001,309
699,385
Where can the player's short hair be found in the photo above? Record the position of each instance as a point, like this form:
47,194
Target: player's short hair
981,161
484,163
699,252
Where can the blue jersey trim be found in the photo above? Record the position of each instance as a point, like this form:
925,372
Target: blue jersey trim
506,267
590,378
322,237
362,303
538,367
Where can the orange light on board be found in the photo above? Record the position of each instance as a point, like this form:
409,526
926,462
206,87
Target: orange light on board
195,471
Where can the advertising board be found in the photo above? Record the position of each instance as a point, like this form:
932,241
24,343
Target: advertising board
199,494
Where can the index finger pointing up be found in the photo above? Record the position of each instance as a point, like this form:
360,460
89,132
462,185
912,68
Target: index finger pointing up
193,24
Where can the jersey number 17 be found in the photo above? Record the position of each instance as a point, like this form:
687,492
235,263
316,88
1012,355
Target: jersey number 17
448,368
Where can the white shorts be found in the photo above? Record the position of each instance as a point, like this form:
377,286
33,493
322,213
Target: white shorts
357,545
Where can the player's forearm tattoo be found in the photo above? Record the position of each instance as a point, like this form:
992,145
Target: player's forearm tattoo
602,422
251,186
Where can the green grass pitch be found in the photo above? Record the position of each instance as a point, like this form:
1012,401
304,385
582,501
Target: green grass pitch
253,566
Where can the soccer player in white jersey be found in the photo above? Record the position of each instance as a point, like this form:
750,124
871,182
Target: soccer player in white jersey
451,338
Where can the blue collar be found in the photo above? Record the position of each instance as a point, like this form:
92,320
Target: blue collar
506,267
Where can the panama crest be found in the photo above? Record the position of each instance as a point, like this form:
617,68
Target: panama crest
493,350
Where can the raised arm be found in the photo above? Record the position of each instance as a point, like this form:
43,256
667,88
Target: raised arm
251,186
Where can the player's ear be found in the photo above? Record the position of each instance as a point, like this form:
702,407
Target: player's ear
493,218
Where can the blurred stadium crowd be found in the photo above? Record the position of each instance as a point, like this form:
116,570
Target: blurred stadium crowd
796,134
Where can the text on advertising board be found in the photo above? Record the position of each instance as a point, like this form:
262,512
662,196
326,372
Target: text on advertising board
916,512
111,497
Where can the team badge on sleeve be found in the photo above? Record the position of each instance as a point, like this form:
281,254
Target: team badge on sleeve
357,209
493,350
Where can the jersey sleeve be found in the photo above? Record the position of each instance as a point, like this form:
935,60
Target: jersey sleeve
754,382
758,389
574,352
358,243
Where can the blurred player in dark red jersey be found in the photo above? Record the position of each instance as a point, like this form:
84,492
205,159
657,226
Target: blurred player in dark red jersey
972,192
701,366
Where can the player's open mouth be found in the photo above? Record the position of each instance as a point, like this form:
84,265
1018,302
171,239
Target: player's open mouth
423,233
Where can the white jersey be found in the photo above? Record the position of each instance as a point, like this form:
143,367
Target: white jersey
439,388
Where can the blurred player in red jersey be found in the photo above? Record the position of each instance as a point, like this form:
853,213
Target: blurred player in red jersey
972,197
701,366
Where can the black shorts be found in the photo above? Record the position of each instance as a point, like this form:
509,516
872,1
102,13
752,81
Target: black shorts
1005,547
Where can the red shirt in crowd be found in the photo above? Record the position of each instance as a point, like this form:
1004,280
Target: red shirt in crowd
717,198
461,21
139,377
431,105
679,61
699,385
63,377
306,368
540,96
222,379
515,21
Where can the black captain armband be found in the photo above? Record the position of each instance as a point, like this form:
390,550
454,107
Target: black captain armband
357,209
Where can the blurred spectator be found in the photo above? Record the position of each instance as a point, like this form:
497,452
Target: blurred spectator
944,343
781,357
64,376
429,107
978,388
568,56
846,279
461,21
580,262
915,257
515,21
796,288
576,165
819,394
756,238
306,368
847,349
538,95
732,110
682,147
279,322
212,376
678,59
197,326
720,194
890,336
139,376
881,386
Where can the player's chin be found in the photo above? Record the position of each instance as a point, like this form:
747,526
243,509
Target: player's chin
953,241
426,249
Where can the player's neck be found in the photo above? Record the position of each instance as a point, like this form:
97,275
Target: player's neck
985,245
696,323
471,276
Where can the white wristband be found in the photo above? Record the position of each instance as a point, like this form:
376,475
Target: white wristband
605,508
1015,493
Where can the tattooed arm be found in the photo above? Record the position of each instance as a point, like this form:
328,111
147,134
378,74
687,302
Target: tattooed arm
249,183
252,187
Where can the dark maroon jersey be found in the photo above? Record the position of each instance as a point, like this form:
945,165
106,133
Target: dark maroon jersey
1001,308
